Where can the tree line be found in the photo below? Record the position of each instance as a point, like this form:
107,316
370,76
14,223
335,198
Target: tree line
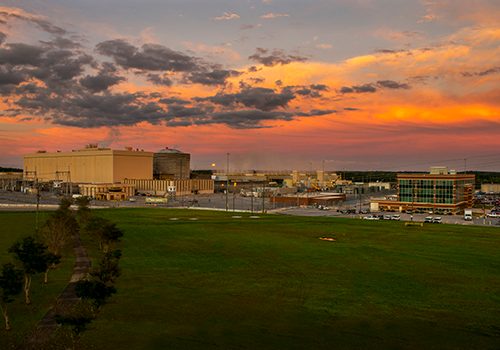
42,252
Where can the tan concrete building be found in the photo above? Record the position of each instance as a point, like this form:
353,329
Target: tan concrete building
109,192
495,188
89,165
177,187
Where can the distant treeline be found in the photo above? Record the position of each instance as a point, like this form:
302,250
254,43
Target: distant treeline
390,176
7,170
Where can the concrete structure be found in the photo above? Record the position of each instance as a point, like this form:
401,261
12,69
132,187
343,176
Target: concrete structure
438,191
107,191
171,164
173,187
490,188
11,180
89,165
308,199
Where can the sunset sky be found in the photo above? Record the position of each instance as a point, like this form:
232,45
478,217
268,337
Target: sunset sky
279,84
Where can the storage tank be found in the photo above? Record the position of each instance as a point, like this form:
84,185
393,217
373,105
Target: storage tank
171,164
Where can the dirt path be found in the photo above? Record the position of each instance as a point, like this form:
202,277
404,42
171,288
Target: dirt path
46,327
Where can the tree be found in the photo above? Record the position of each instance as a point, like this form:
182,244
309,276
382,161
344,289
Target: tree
56,232
83,212
97,292
108,269
104,231
34,257
11,284
77,320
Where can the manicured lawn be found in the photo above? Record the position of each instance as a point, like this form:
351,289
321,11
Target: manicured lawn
15,225
270,283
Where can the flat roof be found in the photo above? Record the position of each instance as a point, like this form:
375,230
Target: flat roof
89,152
437,176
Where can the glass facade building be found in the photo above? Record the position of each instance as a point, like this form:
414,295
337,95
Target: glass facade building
443,192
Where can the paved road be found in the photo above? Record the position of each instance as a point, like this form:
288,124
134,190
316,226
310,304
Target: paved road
447,219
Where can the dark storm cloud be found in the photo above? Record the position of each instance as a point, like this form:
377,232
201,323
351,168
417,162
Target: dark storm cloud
391,84
358,89
56,80
351,109
149,57
251,119
174,100
62,43
255,97
159,79
42,23
372,87
21,54
213,77
103,80
482,73
391,51
312,90
272,58
319,87
91,110
11,76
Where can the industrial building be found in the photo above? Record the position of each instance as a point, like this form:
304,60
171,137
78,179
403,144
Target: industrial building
171,164
172,187
89,165
438,191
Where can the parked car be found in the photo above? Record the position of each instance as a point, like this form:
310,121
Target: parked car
437,220
396,217
370,217
387,217
428,219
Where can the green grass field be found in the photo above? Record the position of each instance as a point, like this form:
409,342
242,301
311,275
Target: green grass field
15,225
270,283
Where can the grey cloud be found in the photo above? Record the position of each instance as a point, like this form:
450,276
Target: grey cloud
100,82
256,97
21,54
11,76
351,109
42,23
274,57
482,73
149,57
391,84
214,77
159,79
173,100
3,36
358,89
319,87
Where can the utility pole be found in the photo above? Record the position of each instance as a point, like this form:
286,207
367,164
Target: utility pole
227,181
37,202
251,201
264,196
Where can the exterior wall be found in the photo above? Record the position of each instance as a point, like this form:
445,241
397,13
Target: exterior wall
136,165
490,188
182,187
102,191
80,166
88,166
170,166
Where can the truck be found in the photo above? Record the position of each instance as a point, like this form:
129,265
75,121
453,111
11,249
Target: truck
468,214
156,200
